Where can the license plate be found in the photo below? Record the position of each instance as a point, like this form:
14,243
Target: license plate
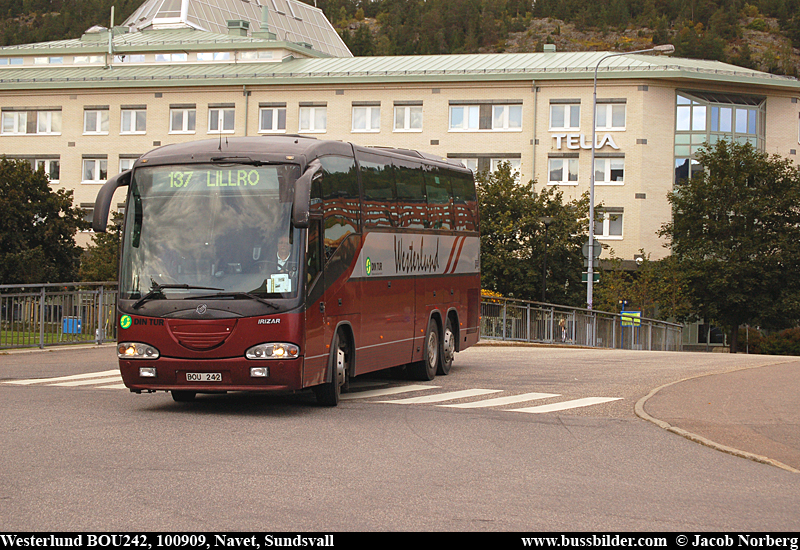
204,377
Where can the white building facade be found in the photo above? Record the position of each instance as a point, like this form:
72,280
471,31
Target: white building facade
178,70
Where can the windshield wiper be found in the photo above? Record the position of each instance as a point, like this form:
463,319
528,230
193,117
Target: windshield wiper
157,288
241,295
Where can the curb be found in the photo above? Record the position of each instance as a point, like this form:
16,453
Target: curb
640,412
90,345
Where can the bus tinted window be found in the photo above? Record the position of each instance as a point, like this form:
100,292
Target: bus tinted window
465,202
377,179
340,197
437,187
412,208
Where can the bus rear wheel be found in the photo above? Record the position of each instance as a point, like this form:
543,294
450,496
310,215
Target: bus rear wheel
183,396
425,370
448,350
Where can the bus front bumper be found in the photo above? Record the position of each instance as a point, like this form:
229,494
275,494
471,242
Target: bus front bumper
212,375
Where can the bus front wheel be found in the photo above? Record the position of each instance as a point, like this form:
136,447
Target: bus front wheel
328,393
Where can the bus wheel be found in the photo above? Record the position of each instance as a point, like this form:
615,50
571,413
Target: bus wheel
426,369
328,393
183,396
448,350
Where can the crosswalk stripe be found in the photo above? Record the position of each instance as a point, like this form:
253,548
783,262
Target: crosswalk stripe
103,380
564,405
113,387
500,401
441,397
385,391
63,378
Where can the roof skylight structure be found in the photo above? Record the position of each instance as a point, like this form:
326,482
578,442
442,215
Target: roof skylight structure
289,20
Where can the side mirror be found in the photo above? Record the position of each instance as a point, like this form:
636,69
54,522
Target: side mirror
102,204
302,194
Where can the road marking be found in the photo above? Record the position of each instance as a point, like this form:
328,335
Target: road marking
448,396
63,378
112,387
564,405
385,391
103,380
500,401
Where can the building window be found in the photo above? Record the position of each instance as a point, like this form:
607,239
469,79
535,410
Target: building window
134,121
214,56
507,117
31,122
95,170
95,121
708,117
609,171
272,119
126,164
171,57
313,119
221,121
129,58
609,226
408,118
88,59
182,120
562,171
611,116
515,164
470,118
51,167
565,116
366,118
469,163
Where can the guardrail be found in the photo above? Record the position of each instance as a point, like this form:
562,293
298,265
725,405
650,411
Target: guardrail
43,315
40,315
524,321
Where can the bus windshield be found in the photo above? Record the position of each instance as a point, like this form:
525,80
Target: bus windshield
210,230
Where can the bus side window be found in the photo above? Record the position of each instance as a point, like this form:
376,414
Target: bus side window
413,210
377,179
440,198
340,198
464,201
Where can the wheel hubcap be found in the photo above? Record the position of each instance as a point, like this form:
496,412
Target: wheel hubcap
340,363
449,345
433,348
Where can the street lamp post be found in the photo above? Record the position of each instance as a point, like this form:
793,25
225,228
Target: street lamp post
546,220
664,48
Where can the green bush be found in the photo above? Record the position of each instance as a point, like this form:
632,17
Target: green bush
785,342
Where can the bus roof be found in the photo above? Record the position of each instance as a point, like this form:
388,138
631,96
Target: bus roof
278,148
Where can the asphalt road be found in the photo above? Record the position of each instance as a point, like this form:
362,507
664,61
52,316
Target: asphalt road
91,456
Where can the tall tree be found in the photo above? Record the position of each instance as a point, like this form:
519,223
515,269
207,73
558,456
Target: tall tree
37,228
736,234
513,239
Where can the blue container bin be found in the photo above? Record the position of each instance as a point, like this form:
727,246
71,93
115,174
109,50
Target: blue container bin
71,325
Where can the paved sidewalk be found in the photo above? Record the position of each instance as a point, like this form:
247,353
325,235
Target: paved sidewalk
753,412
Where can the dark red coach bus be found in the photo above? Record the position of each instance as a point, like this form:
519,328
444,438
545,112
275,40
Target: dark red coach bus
285,263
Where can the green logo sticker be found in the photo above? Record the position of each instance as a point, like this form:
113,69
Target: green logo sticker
368,265
125,321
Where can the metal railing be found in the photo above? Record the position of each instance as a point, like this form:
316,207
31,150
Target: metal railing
523,321
71,313
40,315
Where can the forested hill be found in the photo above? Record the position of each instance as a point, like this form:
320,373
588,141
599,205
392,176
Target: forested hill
760,34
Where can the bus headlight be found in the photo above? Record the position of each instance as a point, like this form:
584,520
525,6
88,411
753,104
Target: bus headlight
273,350
136,350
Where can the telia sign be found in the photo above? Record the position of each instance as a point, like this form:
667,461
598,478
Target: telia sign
581,141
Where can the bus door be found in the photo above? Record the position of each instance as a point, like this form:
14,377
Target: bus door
331,252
